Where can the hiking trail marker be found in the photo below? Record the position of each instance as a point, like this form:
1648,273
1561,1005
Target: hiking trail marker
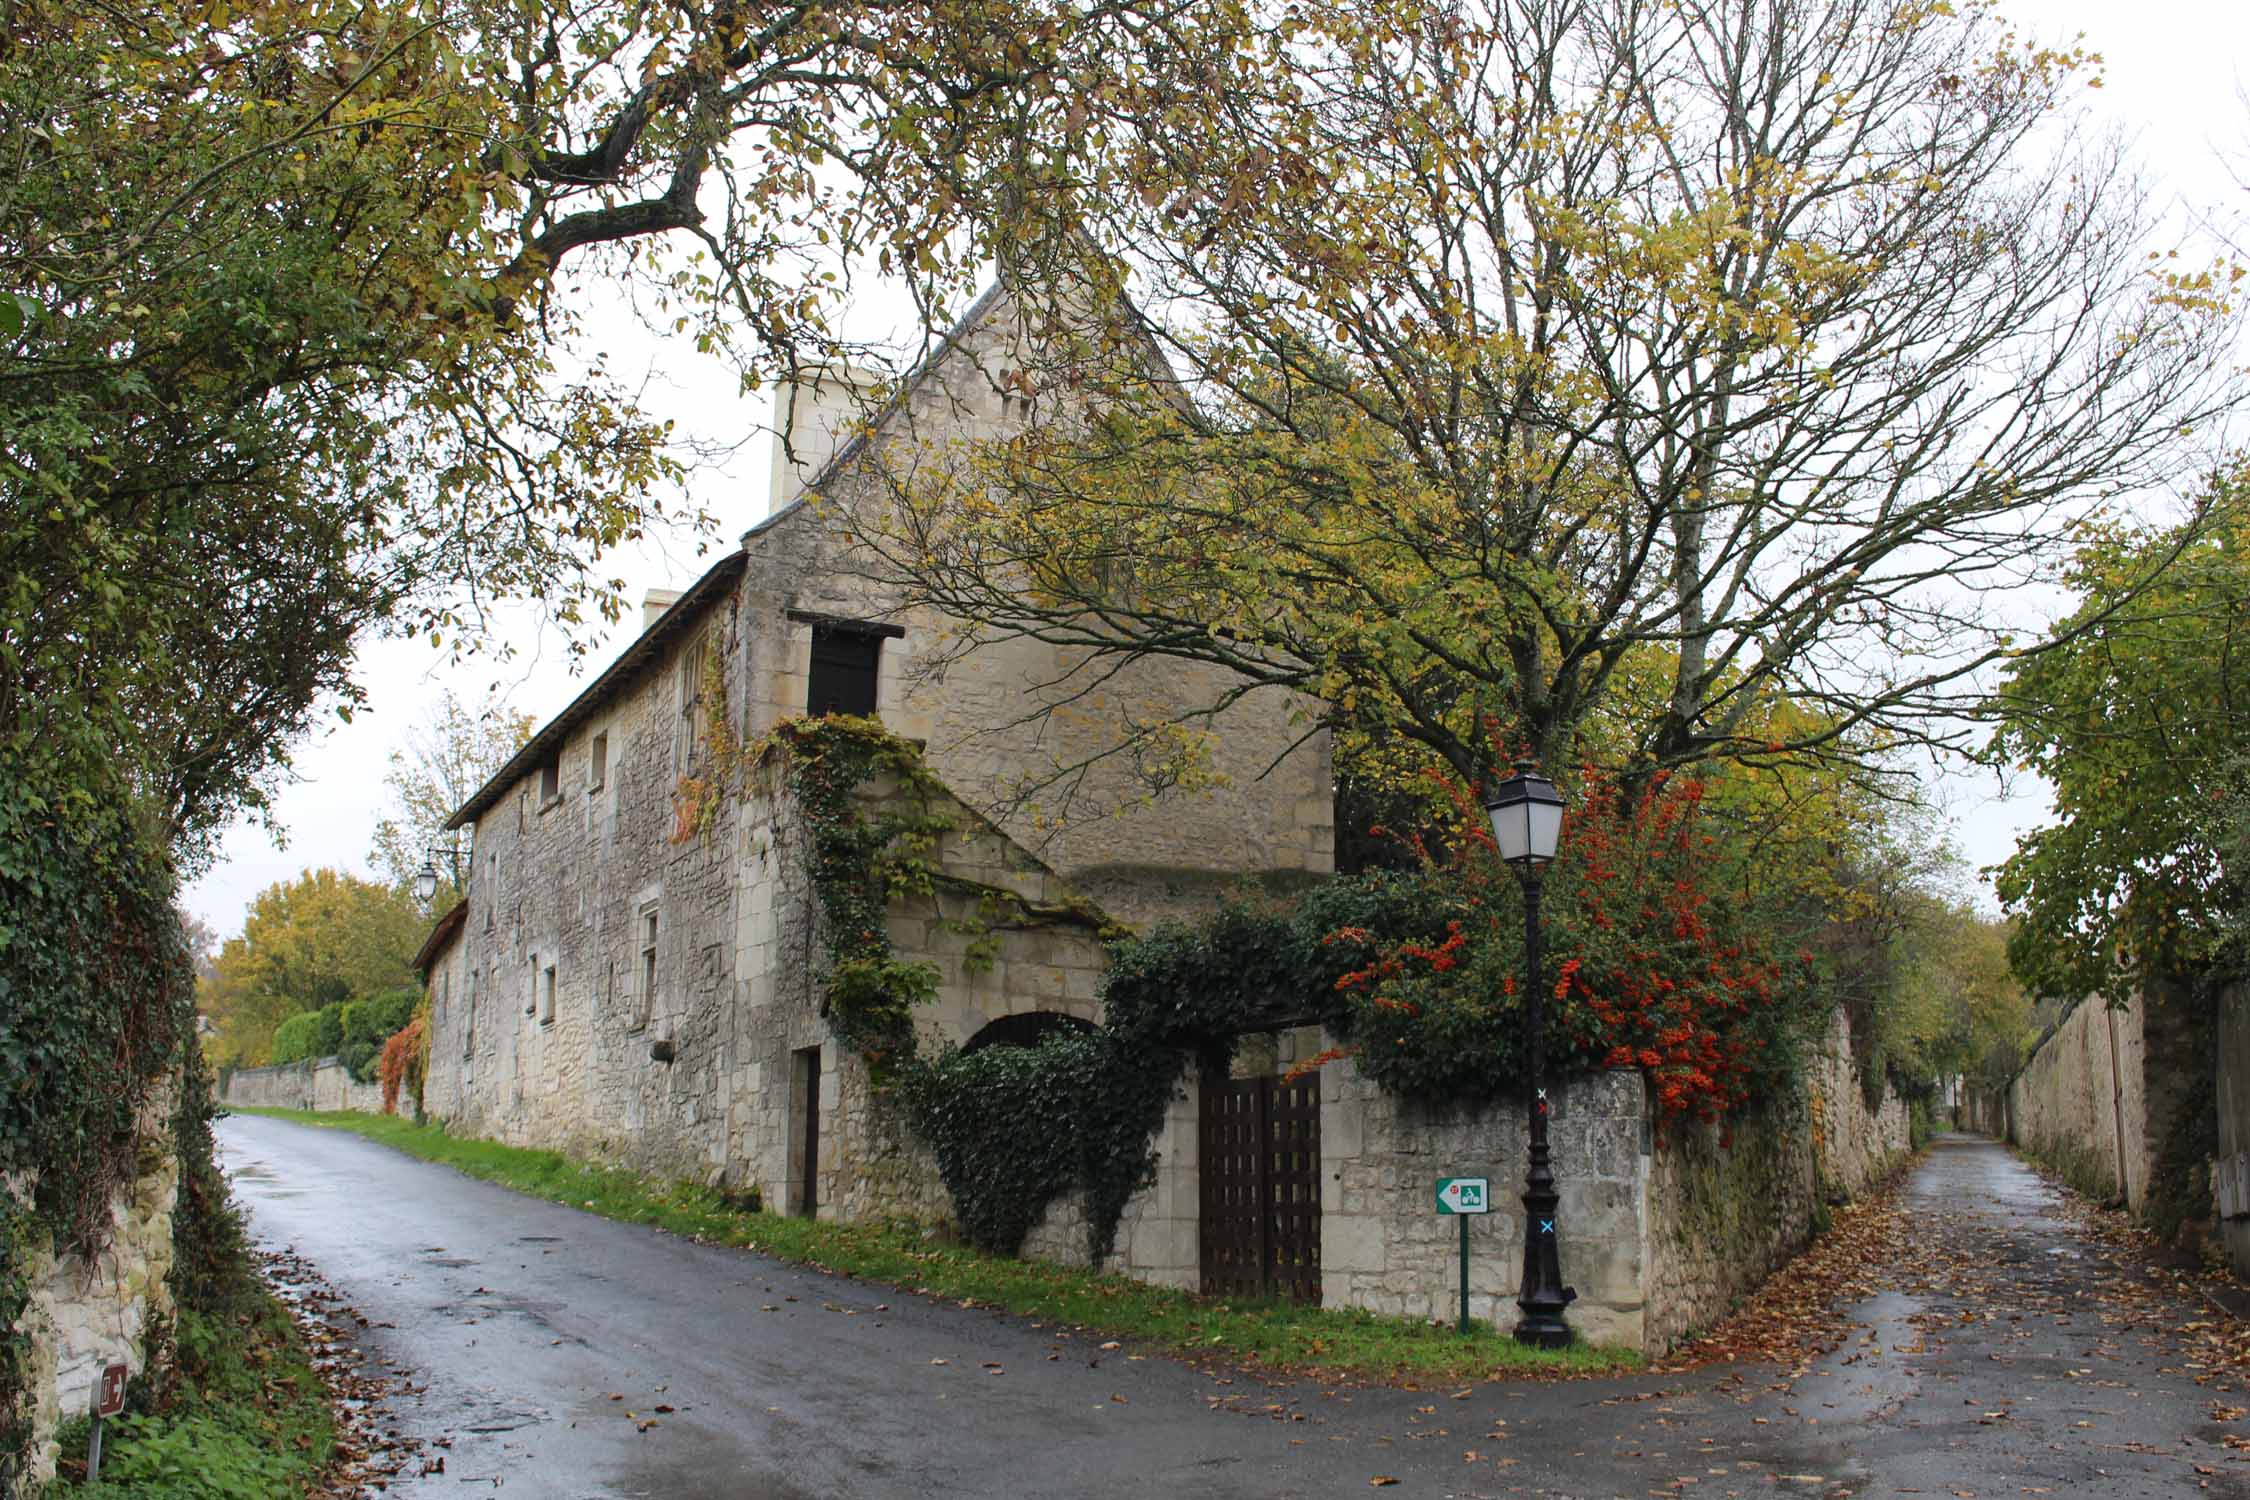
109,1400
1462,1197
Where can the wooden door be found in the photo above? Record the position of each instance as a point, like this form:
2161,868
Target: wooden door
1259,1149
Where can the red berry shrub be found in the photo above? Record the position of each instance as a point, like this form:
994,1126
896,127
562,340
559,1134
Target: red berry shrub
1644,967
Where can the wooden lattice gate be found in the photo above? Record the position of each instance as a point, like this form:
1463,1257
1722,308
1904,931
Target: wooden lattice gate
1259,1150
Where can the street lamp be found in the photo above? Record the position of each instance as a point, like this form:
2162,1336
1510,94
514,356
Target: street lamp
1526,813
425,880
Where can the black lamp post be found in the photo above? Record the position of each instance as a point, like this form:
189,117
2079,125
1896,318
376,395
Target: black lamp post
1526,813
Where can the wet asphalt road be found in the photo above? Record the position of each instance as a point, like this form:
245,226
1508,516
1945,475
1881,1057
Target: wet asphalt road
2007,1357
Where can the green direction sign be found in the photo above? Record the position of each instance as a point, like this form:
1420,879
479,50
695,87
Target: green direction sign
1462,1195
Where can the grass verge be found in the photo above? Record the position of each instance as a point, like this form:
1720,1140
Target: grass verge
1339,1342
246,1418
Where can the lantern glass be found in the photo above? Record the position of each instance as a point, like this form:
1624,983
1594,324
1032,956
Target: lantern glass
1526,813
425,883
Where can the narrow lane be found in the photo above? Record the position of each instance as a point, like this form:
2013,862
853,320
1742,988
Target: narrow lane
2008,1355
2016,1354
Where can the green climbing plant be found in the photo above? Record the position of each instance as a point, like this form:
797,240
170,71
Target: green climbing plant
96,995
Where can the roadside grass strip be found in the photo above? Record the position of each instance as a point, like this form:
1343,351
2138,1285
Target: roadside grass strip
1340,1343
247,1419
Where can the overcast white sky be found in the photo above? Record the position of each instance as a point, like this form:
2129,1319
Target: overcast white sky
2173,83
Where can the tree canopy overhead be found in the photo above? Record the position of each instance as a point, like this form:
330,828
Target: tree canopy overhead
284,355
1679,381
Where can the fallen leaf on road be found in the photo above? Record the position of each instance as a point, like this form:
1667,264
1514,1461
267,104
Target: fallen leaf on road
1382,1479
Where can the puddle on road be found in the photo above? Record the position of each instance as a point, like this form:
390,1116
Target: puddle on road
1869,1375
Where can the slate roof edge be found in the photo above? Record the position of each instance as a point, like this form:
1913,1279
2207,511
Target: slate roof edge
448,928
549,739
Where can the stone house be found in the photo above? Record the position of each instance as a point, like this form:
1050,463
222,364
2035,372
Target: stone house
636,972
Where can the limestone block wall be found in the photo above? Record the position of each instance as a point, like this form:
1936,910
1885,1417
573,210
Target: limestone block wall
2079,1102
1856,1146
2128,1102
86,1311
1724,1210
1664,1227
593,988
2231,1145
282,1086
333,1087
1385,1248
321,1083
1157,1235
1140,848
1022,950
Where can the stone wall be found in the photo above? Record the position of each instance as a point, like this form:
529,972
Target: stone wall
1855,1146
592,987
1005,934
1384,1247
1725,1209
1020,729
2231,1148
321,1083
2079,1105
88,1311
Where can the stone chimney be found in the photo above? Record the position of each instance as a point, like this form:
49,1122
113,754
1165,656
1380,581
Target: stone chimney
654,603
814,416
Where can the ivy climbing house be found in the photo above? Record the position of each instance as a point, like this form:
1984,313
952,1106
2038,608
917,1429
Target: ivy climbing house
820,898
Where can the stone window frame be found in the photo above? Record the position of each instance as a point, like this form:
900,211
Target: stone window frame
648,932
687,693
531,988
550,782
547,996
597,761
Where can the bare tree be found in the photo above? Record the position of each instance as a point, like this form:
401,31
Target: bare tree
1663,381
442,762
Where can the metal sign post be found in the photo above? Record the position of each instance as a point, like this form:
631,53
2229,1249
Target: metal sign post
109,1400
1461,1197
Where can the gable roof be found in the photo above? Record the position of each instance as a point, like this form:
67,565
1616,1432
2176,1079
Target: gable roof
548,742
978,311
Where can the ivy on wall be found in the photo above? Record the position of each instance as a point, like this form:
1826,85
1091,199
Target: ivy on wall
1416,972
96,996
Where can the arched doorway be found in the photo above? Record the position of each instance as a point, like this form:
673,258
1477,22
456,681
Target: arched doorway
1025,1029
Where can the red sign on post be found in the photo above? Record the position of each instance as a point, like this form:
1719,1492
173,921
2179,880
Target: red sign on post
109,1396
